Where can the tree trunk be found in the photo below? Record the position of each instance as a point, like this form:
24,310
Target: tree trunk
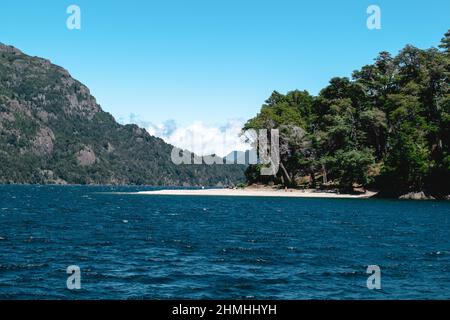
324,174
313,178
285,172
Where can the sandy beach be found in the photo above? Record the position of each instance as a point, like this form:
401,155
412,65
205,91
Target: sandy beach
262,192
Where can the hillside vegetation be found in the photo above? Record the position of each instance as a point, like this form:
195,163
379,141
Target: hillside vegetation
53,131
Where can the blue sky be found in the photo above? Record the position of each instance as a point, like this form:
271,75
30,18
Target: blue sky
215,60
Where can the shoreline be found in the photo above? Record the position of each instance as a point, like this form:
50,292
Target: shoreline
259,192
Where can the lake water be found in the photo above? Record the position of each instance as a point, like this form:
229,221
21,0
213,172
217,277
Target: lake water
162,247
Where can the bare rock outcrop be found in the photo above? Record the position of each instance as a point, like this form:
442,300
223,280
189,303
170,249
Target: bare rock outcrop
416,196
86,157
43,143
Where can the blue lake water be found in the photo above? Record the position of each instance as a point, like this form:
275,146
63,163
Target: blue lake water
162,247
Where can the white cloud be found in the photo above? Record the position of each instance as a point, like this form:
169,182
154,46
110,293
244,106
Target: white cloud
201,138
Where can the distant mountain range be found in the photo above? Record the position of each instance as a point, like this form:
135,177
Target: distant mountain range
52,131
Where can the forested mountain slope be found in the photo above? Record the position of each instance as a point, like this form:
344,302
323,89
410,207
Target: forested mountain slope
53,131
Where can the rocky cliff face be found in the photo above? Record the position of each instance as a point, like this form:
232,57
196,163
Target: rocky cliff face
53,131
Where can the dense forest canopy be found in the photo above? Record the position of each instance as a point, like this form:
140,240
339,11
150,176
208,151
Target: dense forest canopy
387,127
